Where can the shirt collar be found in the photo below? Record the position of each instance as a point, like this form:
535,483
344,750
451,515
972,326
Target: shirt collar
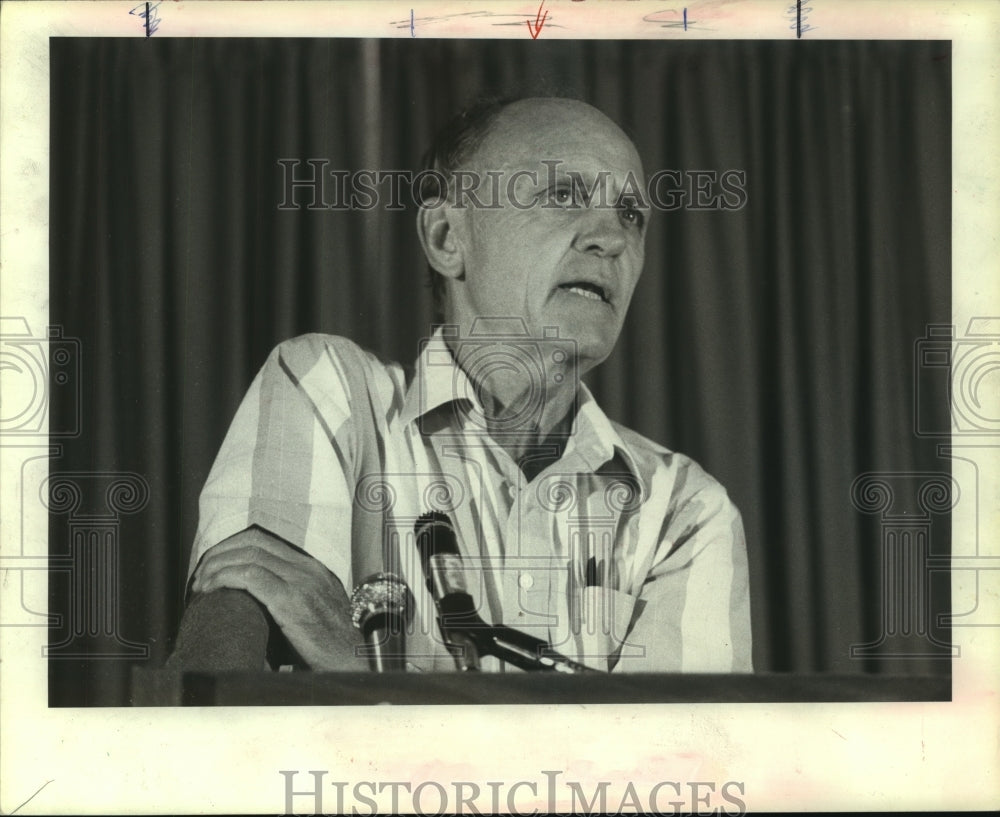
598,441
438,380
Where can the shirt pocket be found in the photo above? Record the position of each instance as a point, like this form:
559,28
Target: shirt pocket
599,621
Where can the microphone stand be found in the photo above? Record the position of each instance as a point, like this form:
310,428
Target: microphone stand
469,637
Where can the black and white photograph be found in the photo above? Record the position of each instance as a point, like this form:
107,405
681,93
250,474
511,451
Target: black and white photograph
477,364
646,433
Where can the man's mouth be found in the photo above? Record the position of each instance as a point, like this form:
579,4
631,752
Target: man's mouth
586,289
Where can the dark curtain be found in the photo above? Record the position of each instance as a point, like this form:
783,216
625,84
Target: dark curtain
773,343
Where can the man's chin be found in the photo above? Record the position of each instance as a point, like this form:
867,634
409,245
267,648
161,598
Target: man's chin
592,348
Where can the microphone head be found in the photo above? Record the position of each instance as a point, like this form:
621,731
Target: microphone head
381,597
440,557
431,518
435,535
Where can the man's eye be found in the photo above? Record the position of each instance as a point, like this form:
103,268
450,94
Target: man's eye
564,196
631,215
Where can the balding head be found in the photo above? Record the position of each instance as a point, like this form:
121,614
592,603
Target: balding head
551,124
542,224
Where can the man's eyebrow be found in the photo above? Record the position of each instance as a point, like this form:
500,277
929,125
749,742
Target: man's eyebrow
629,187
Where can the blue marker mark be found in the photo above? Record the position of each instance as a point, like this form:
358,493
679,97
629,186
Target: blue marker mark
147,12
798,15
411,24
685,19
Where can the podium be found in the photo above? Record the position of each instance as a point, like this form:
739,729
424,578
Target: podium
174,688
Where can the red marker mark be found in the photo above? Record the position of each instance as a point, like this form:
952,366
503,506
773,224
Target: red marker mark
536,29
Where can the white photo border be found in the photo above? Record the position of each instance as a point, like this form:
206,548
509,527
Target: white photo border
788,757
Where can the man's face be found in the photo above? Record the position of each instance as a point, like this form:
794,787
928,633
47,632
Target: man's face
550,254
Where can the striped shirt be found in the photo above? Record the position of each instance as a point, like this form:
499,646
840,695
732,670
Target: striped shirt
620,553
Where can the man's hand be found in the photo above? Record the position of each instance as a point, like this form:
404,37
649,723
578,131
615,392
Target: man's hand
305,599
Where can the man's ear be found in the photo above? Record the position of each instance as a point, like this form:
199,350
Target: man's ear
436,227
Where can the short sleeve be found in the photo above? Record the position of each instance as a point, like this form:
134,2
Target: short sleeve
286,464
693,611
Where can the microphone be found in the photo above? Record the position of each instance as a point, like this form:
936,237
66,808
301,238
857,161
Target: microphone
465,633
381,608
443,571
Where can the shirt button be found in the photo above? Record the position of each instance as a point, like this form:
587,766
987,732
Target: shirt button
526,581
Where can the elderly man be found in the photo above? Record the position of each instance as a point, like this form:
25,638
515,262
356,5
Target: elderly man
615,551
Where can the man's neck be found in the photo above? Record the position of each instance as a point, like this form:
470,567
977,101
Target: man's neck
533,446
528,420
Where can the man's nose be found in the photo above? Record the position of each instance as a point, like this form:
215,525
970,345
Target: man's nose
601,232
